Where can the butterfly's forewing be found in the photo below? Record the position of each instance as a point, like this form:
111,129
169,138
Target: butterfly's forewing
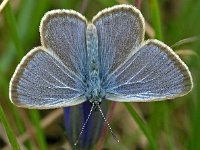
63,33
119,29
40,81
153,72
52,76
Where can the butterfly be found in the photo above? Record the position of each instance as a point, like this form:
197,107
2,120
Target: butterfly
103,59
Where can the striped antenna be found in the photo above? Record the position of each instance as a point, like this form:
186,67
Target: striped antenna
84,124
113,135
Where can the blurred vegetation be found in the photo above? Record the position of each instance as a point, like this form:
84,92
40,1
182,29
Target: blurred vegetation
167,125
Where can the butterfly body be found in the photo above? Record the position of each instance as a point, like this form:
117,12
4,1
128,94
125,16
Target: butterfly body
94,90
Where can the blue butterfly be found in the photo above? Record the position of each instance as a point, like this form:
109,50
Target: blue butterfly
105,59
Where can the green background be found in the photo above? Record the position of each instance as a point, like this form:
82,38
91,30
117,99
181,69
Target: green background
170,125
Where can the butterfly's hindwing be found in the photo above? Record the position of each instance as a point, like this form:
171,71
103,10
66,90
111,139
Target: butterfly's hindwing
40,81
154,72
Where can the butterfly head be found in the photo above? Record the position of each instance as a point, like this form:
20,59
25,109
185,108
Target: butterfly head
95,96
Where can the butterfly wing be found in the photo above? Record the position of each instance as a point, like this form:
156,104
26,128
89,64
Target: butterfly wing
153,72
120,29
63,34
41,81
131,70
52,76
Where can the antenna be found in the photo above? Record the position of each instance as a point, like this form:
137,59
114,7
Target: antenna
84,124
113,135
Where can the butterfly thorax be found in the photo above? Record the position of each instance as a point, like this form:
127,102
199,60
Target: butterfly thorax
94,93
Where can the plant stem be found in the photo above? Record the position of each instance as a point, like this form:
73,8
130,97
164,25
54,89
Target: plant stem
138,4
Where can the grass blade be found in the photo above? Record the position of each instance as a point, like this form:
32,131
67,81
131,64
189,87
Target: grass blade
35,116
10,18
155,15
9,132
143,126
